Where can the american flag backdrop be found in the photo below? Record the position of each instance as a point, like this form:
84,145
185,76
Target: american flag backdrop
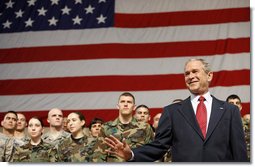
80,55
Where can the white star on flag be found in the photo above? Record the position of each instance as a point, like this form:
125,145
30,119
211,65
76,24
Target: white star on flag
53,21
19,13
29,22
66,10
101,19
31,2
42,12
54,2
78,1
102,1
7,24
9,4
77,20
89,9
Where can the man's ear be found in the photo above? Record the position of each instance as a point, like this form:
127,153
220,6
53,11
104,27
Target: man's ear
210,76
83,122
42,131
134,107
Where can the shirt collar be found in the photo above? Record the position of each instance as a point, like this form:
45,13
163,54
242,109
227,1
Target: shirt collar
207,96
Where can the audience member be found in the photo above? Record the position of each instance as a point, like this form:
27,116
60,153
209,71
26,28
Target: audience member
20,132
155,121
95,127
78,147
65,124
124,127
234,99
142,113
56,132
35,150
7,140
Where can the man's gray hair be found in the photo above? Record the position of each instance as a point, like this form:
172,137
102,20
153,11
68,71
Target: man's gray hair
207,67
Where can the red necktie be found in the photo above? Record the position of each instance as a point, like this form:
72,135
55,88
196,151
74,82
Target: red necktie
202,115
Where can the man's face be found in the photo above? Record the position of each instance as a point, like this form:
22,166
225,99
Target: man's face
236,102
95,129
196,79
126,105
142,114
156,120
55,118
9,122
21,123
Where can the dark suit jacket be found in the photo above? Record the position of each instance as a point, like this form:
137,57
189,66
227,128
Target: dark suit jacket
178,128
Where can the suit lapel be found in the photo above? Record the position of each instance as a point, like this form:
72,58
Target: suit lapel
217,111
188,113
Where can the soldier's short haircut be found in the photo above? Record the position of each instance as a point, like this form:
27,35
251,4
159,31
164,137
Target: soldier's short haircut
12,112
233,96
94,121
127,94
144,106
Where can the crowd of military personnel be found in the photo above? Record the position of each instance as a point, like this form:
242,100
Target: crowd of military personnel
67,139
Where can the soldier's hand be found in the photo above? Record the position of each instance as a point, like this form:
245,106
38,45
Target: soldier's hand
118,148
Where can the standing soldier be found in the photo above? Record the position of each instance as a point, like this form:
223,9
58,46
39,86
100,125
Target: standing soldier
56,132
124,127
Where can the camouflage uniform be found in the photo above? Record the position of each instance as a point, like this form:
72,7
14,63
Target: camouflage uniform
135,133
76,150
7,145
3,140
246,127
43,152
24,139
47,137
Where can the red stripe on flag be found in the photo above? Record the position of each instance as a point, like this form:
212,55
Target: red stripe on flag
115,83
182,18
79,52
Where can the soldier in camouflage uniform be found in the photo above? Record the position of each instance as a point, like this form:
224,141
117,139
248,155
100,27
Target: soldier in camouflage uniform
56,132
20,133
36,150
124,127
3,141
95,127
246,128
78,147
7,140
234,99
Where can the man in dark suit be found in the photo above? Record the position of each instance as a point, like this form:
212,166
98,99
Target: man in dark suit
216,136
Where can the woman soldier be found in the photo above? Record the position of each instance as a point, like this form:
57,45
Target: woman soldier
35,150
78,147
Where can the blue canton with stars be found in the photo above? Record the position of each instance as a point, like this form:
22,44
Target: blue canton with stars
38,15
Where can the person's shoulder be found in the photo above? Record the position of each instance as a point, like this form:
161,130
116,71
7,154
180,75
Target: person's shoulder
111,123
